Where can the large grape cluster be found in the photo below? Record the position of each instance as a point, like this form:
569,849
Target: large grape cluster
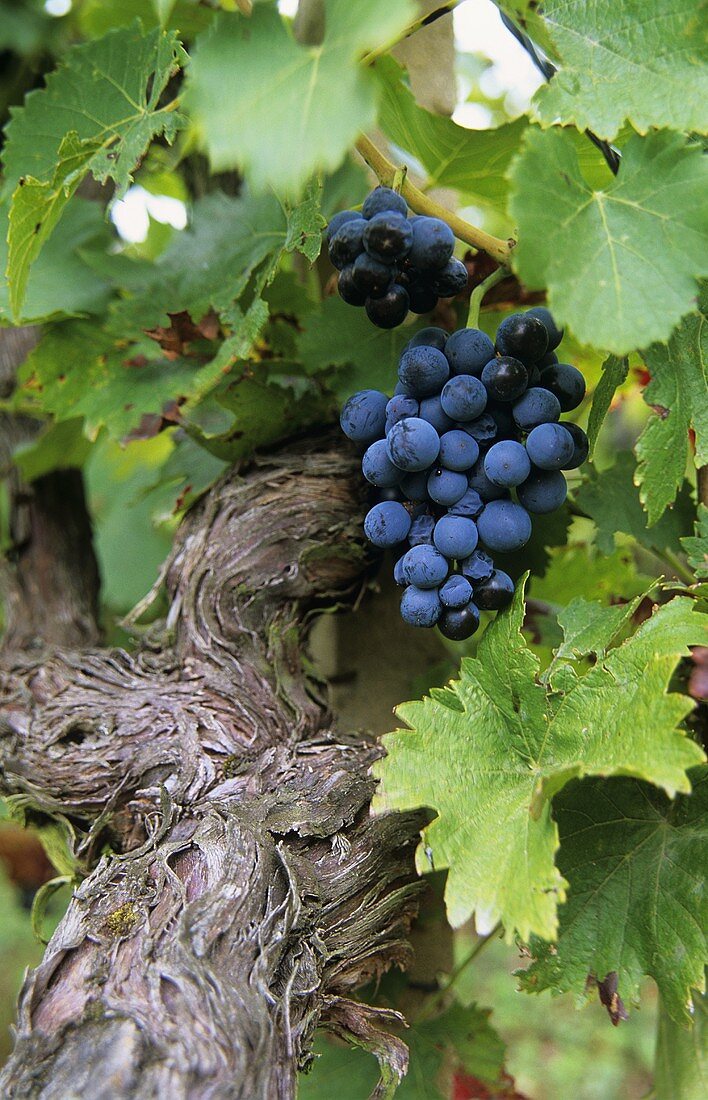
391,263
468,449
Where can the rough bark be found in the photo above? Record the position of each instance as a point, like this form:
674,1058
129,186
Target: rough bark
246,891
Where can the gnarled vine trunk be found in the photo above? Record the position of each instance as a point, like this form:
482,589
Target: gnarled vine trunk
243,891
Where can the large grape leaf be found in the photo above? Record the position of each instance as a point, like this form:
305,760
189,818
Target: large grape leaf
641,60
144,362
325,97
678,395
636,864
488,752
620,262
611,499
474,162
98,112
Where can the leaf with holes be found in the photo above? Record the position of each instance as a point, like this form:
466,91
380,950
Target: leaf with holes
607,254
635,863
488,753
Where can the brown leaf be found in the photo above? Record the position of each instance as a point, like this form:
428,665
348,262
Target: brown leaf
611,999
175,339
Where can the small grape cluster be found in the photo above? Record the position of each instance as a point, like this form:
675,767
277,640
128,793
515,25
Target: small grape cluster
391,263
469,422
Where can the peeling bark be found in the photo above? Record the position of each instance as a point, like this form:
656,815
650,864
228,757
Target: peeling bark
247,891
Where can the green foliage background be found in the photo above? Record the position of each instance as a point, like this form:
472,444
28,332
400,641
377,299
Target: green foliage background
162,362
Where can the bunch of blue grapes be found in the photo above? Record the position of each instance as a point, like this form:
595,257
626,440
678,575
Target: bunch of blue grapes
391,263
467,450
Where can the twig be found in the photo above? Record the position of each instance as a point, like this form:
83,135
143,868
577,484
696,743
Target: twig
438,998
477,295
386,171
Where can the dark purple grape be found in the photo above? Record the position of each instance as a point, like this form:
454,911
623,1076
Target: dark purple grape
383,198
522,336
389,311
347,243
494,592
388,237
505,379
566,382
349,292
371,276
457,624
451,279
555,334
338,220
423,299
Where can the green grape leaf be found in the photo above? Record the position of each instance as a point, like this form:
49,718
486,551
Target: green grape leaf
184,324
681,1064
475,162
488,753
639,241
635,863
697,546
678,395
641,60
341,337
614,374
98,112
325,96
611,499
305,224
588,627
577,569
62,282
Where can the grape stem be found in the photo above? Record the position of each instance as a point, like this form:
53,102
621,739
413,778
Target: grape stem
438,999
422,21
495,247
477,295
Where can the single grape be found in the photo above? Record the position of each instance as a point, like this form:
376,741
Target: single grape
398,408
477,567
494,592
424,370
432,411
339,220
348,290
566,382
446,487
422,298
388,236
543,491
458,451
433,244
505,379
537,406
387,524
464,397
424,566
550,446
555,334
383,198
420,606
422,527
391,310
468,351
377,467
501,415
456,591
581,445
457,624
507,463
522,336
392,492
347,243
480,483
450,280
455,536
400,388
398,577
413,444
363,417
471,504
372,276
504,526
430,337
483,429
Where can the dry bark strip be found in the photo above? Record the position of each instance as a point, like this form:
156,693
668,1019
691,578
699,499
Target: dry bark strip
239,889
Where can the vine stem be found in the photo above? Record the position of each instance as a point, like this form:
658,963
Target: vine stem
422,21
437,999
479,292
385,170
